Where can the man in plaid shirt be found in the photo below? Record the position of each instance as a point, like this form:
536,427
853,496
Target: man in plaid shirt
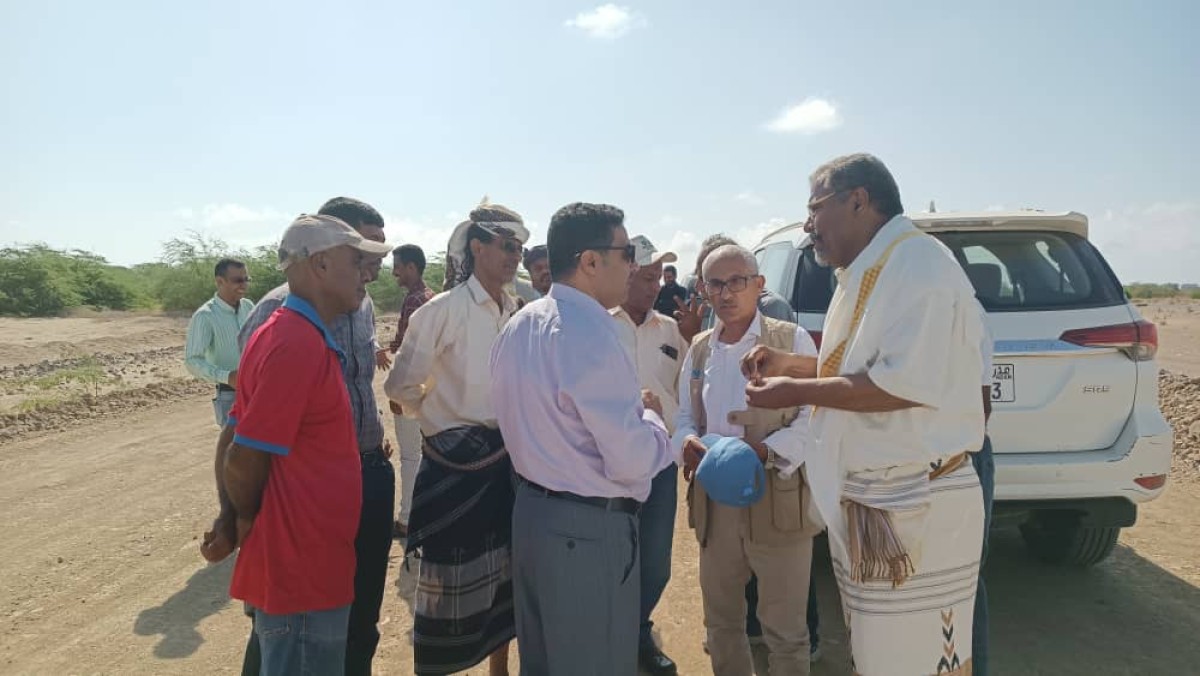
408,267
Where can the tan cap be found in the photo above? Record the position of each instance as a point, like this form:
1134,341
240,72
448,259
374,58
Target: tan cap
648,255
310,234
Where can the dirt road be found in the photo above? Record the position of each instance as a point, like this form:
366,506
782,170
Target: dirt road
100,572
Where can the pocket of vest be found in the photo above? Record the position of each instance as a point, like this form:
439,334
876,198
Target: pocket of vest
787,499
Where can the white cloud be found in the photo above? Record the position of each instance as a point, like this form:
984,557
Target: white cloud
685,245
607,22
431,237
1155,243
811,116
751,235
748,197
237,224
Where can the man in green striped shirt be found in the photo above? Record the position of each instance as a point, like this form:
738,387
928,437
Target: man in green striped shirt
212,351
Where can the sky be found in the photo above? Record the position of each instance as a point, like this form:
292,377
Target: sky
127,123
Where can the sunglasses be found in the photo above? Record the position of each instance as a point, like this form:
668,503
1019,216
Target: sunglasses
238,280
628,252
509,246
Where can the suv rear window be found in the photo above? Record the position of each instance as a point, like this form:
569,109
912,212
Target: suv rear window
1012,271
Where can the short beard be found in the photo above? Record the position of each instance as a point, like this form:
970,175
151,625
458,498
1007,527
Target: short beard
821,260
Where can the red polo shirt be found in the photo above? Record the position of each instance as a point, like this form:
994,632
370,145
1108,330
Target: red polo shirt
292,402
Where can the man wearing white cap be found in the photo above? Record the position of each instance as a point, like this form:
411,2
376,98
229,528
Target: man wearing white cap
461,518
291,483
354,334
771,538
656,348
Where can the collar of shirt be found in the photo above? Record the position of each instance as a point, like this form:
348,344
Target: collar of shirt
565,293
653,318
886,234
481,297
219,304
305,309
753,332
419,289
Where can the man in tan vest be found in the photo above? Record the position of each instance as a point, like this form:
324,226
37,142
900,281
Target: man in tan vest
773,537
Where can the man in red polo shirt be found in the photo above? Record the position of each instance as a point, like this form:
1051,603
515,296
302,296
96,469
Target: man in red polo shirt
292,472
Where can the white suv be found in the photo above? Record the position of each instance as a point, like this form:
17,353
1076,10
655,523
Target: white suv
1078,436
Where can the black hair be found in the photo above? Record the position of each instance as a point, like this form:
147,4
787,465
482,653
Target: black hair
355,213
576,228
410,253
224,264
861,170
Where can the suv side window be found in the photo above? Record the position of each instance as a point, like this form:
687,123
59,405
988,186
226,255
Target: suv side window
814,284
773,264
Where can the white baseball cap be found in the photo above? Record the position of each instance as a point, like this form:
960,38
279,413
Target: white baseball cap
648,255
310,234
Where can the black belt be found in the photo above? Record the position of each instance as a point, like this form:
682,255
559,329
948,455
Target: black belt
221,387
626,505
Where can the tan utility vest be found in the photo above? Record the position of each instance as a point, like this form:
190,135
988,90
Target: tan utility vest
783,515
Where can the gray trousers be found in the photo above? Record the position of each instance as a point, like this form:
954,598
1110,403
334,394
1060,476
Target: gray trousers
575,587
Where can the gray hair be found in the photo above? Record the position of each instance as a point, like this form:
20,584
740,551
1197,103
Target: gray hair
731,251
861,170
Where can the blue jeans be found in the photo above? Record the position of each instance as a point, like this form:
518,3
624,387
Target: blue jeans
985,467
656,530
303,643
221,405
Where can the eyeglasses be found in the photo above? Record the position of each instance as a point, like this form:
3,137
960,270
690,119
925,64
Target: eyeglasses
812,206
628,252
509,246
715,288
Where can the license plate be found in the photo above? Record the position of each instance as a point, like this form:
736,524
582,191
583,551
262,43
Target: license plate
1004,383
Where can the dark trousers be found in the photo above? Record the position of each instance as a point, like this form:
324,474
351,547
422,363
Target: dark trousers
371,549
985,467
656,530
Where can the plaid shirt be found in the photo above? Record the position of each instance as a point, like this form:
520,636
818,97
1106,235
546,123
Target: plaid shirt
355,335
415,299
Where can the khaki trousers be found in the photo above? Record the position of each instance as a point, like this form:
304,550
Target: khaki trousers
783,575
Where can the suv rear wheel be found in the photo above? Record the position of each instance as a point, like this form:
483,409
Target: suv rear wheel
1060,538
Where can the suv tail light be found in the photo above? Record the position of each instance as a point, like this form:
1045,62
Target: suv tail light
816,336
1139,340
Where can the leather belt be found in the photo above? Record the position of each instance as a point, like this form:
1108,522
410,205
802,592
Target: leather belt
624,505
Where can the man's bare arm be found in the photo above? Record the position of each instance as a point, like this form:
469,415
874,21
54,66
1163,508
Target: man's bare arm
764,362
220,541
848,393
246,472
223,442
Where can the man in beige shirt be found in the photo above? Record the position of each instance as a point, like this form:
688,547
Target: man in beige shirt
461,516
657,348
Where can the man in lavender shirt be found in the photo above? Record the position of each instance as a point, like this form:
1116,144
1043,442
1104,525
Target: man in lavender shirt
585,445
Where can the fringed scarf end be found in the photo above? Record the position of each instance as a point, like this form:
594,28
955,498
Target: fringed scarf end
876,552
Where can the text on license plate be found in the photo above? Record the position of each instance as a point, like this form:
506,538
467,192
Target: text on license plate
1004,382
